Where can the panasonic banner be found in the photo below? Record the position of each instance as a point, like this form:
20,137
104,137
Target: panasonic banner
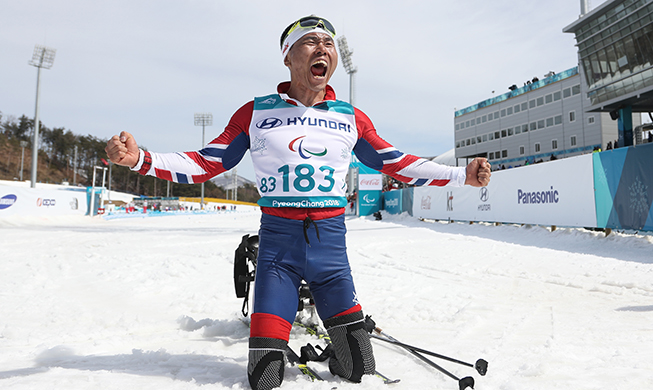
41,202
369,193
559,193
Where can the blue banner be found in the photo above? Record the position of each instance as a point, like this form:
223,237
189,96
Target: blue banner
623,182
369,202
392,201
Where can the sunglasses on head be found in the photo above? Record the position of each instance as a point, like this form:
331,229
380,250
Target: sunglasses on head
309,22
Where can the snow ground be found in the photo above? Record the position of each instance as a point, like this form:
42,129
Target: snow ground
149,303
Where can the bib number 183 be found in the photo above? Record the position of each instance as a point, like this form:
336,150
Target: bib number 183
303,180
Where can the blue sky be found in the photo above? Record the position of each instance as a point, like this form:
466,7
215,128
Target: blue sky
147,66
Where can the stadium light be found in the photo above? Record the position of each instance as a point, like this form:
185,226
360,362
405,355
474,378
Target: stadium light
43,57
203,119
345,55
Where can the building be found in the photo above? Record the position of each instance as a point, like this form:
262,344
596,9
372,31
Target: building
615,50
576,111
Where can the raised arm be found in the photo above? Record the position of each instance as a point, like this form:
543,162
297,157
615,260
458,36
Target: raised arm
378,154
219,155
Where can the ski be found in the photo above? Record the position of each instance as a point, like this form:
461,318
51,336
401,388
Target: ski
314,330
293,358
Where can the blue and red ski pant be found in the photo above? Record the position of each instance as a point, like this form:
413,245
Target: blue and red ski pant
292,250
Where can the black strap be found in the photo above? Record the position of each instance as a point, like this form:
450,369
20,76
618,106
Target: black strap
309,354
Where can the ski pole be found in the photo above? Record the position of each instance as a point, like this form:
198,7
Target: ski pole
462,383
480,366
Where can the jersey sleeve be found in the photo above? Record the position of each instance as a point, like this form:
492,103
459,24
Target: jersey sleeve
218,156
380,155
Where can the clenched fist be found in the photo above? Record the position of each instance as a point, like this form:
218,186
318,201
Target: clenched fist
123,150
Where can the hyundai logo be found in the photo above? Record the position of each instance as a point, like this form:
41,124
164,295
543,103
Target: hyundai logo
484,194
269,123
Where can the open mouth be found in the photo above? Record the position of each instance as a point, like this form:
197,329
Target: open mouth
319,68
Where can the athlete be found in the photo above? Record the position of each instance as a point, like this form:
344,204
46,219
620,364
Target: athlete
300,140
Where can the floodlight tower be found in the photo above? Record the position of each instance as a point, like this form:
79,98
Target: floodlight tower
203,119
345,55
43,57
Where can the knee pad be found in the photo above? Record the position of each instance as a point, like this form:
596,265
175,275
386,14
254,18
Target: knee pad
266,362
352,347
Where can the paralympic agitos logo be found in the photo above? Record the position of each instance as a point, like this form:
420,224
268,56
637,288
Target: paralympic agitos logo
297,145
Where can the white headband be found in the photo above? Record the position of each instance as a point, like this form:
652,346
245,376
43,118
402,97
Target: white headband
296,35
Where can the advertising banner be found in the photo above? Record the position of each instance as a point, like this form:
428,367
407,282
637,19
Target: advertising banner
392,201
41,202
624,188
559,192
370,182
369,202
369,193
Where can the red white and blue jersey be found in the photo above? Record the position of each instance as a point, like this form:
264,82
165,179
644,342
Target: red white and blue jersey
300,155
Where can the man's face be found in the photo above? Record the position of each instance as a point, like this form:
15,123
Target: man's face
312,61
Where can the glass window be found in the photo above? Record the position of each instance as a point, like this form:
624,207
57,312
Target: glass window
478,120
503,112
540,124
484,119
572,116
524,106
496,115
467,124
537,147
478,139
558,120
540,101
548,98
533,126
549,122
575,90
491,157
521,150
497,135
554,144
524,128
590,120
510,132
566,92
509,111
468,141
517,109
504,153
484,137
531,104
473,141
504,133
517,129
491,136
557,96
497,154
573,140
457,127
457,144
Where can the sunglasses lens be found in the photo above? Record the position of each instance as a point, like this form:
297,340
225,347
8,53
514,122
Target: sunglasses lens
309,22
314,22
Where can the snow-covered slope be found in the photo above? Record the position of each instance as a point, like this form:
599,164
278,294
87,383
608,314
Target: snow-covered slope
149,303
